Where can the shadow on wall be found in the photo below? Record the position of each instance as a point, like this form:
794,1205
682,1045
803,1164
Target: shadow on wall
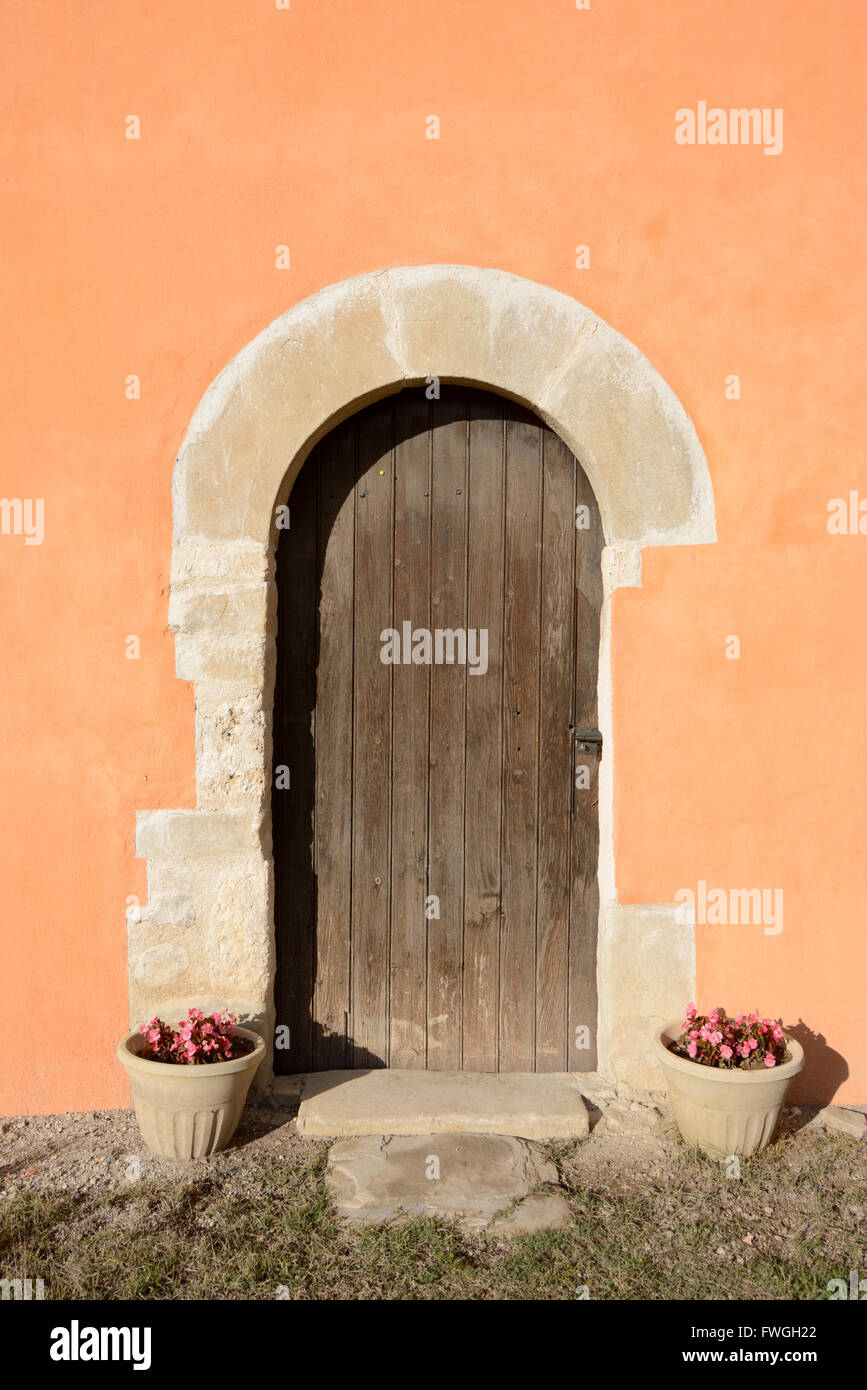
824,1069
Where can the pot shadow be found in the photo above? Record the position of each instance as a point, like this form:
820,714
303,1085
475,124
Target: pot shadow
823,1074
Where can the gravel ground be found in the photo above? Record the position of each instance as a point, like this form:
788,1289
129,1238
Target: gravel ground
102,1151
85,1206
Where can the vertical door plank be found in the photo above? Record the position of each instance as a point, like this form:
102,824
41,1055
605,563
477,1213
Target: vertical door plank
447,732
520,744
292,806
371,774
333,824
557,656
411,691
484,740
584,906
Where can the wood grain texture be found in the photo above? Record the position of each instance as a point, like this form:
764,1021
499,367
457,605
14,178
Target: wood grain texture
521,647
411,711
334,697
447,755
483,798
422,783
371,754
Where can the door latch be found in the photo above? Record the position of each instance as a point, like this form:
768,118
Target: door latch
588,740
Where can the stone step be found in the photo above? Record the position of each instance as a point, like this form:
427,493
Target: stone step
336,1104
472,1176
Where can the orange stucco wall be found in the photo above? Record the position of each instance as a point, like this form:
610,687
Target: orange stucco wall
306,126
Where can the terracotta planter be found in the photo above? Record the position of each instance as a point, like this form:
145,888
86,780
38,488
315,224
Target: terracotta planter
725,1112
188,1112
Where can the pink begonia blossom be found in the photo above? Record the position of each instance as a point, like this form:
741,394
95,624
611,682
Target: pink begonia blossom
196,1039
717,1040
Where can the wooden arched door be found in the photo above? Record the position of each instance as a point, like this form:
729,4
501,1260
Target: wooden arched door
435,820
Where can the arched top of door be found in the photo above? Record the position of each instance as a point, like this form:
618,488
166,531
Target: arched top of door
364,338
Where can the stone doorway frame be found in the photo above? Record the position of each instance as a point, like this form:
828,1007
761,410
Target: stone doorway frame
206,934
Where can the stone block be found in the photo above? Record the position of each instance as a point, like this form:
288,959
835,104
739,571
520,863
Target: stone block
843,1121
377,1177
185,834
647,966
406,1102
540,1211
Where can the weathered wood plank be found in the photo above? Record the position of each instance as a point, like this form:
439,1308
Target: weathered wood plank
482,886
411,704
371,763
520,744
447,732
584,905
555,752
333,818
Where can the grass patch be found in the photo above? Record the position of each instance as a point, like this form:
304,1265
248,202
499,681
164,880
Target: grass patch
792,1221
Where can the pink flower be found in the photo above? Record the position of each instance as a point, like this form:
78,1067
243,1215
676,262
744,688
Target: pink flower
692,1048
770,1060
725,1051
716,1038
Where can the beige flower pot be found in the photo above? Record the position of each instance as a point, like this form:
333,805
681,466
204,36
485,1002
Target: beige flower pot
183,1111
725,1112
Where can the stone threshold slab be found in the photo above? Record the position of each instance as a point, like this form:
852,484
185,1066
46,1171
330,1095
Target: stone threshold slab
470,1176
526,1105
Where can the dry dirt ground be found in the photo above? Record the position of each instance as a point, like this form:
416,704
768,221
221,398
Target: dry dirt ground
86,1208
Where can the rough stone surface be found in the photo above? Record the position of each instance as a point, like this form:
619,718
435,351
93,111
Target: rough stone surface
230,753
594,1087
364,337
621,566
624,1117
180,834
540,1211
842,1121
286,1091
531,1106
608,404
647,972
378,1177
160,965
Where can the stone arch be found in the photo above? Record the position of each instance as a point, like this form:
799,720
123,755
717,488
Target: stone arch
207,932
